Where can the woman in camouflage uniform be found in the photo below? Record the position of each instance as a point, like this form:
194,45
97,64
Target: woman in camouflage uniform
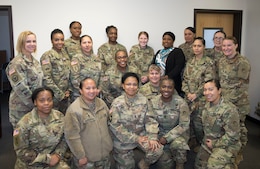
142,55
84,64
25,75
39,139
198,70
72,45
132,125
56,69
220,119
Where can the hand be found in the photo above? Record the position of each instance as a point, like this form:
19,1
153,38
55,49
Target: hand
67,94
209,143
153,144
144,79
55,158
83,161
163,140
191,97
142,139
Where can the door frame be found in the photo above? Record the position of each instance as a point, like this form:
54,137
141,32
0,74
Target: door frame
10,21
237,24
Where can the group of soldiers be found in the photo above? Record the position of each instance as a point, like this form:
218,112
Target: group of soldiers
64,66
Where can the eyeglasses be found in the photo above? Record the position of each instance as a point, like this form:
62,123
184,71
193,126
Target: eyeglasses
121,57
218,38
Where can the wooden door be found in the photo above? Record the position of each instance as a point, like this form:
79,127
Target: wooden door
205,20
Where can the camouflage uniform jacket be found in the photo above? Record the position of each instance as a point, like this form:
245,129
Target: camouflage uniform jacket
234,79
72,47
106,53
195,74
142,58
35,138
56,70
86,131
149,91
84,66
221,125
131,118
25,76
111,82
173,117
187,50
214,55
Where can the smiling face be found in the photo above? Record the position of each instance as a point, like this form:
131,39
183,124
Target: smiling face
88,90
143,40
121,59
44,103
75,30
167,41
189,36
30,44
167,90
218,39
86,45
154,77
229,48
112,35
57,41
211,92
130,86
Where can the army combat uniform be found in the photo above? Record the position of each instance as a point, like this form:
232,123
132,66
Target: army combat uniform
106,53
187,50
56,70
234,79
83,66
214,55
174,121
221,125
149,91
72,47
35,139
87,133
24,76
131,118
111,82
142,58
195,74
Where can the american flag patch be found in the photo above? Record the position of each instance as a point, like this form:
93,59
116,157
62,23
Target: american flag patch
45,61
16,132
73,62
11,71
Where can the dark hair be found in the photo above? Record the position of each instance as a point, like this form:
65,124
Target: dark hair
56,31
40,89
201,39
83,80
110,27
215,81
83,36
220,31
170,34
143,32
74,22
169,79
120,50
193,30
129,74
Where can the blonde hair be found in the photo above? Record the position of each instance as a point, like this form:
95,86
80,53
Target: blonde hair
154,67
22,40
